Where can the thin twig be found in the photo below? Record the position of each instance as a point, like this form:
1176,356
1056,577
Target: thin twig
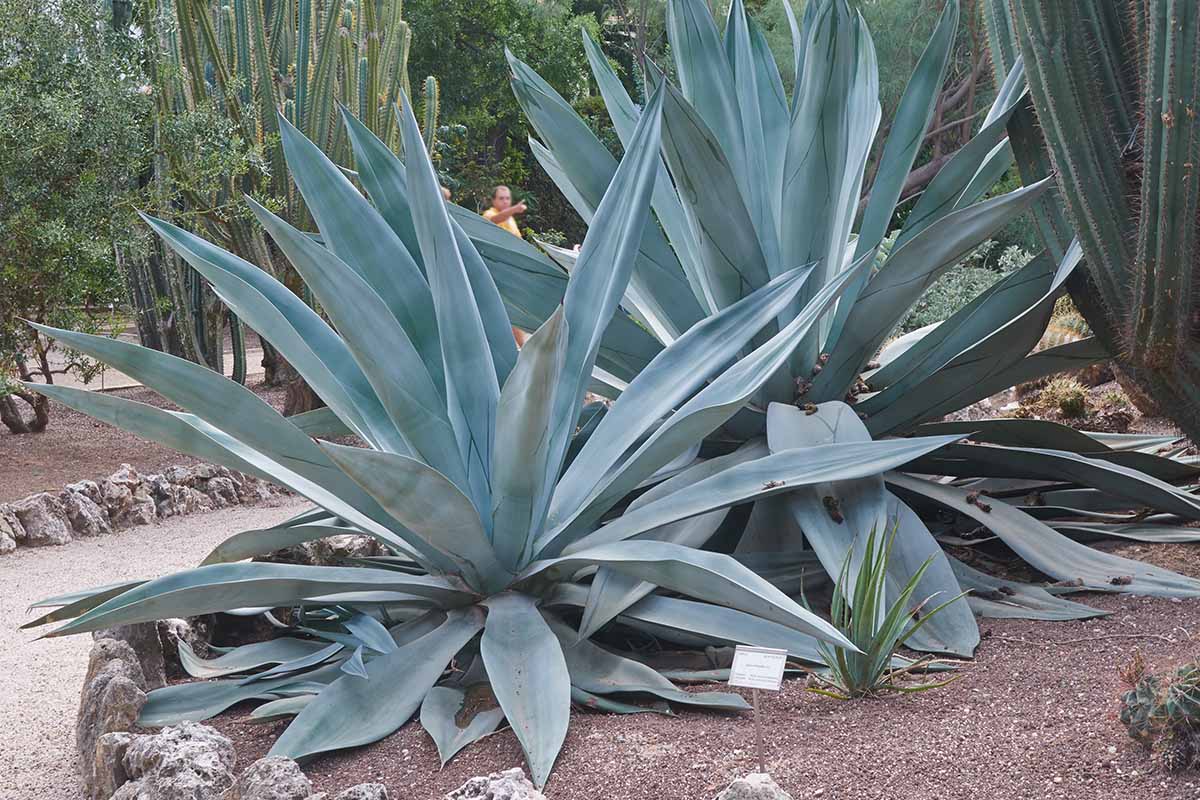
1086,640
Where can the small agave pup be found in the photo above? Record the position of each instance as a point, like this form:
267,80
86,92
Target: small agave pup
495,512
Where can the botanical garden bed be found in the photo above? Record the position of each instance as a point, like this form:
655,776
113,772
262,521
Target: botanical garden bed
1027,718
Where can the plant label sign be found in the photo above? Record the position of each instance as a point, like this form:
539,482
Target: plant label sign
757,667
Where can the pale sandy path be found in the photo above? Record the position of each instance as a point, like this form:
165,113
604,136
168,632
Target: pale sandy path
40,680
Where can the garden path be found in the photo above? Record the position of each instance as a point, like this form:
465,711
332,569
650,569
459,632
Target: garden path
40,680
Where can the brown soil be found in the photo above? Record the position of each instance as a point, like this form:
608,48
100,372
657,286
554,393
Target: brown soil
1034,715
74,447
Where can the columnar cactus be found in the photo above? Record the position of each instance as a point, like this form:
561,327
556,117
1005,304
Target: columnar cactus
1114,86
253,59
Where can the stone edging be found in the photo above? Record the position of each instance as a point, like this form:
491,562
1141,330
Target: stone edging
191,761
122,500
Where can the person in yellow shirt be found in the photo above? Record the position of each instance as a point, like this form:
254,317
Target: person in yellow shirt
503,210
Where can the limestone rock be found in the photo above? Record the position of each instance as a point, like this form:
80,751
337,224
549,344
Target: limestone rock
108,767
127,498
11,530
253,490
185,762
755,786
271,778
87,517
508,785
113,696
196,631
143,638
173,499
363,791
43,519
89,489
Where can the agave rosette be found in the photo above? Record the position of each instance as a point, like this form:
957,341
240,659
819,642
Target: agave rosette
496,512
750,185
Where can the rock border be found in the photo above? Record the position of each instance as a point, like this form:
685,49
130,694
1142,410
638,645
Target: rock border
192,761
125,499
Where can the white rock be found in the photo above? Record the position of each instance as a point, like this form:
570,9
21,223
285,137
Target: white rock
184,762
86,516
755,786
363,791
43,520
508,785
271,778
127,498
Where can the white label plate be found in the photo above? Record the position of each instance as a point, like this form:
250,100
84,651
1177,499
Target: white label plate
757,667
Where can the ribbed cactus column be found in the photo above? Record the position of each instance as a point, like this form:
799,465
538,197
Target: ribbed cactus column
1115,86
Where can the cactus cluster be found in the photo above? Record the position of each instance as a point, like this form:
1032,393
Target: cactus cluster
1112,113
249,61
1163,714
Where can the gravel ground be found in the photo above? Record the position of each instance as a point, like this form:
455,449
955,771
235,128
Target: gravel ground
1034,716
39,690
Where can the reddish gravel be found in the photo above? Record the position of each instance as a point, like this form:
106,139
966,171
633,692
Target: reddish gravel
1026,720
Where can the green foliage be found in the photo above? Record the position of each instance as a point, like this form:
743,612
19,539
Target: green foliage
475,98
877,625
964,283
71,148
1162,712
1066,397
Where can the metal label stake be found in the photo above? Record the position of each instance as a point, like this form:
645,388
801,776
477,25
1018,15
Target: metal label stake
758,668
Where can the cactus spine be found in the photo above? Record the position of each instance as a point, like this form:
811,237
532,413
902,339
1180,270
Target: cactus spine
1115,85
250,60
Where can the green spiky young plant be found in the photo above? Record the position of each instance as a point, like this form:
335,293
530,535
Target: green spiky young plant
494,511
752,183
877,625
1162,712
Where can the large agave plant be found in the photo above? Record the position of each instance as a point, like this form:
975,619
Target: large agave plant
474,477
751,185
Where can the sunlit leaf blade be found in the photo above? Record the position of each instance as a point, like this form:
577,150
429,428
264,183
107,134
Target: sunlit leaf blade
529,677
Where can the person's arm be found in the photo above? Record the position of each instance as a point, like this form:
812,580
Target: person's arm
499,216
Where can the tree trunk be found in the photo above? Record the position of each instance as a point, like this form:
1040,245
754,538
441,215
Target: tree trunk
299,396
15,421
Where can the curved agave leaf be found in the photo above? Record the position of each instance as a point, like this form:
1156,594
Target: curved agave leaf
220,587
598,671
724,230
711,407
709,576
247,424
283,707
302,662
1051,552
76,603
837,518
906,274
390,361
612,592
764,477
203,700
260,542
1014,432
673,376
430,506
1136,488
308,343
587,168
596,702
472,391
833,125
529,676
1138,532
353,710
355,232
521,482
440,714
1000,599
247,657
930,383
